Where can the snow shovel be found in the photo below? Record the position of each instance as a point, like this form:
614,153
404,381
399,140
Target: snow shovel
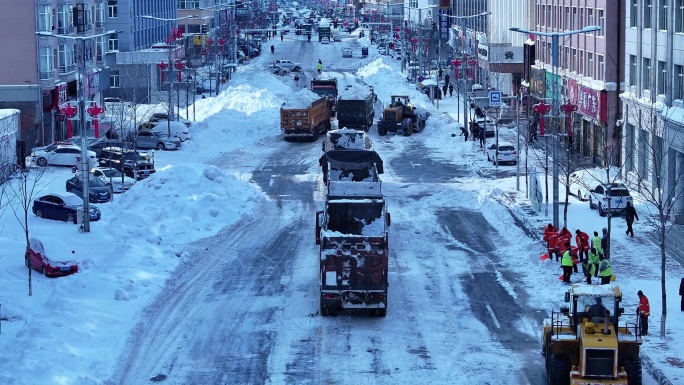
544,257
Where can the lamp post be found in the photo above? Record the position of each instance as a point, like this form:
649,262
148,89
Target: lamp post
556,104
464,19
170,64
85,161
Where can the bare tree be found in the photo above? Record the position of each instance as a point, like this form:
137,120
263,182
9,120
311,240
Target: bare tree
653,169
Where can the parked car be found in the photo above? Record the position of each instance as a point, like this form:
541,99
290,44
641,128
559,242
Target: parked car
52,265
506,153
178,129
276,70
611,197
288,65
337,37
59,155
145,139
97,146
113,178
130,162
325,40
159,116
583,180
490,126
98,191
62,207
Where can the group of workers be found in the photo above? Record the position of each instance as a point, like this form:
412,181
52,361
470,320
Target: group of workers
592,253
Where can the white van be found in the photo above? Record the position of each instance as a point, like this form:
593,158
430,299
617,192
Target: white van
178,129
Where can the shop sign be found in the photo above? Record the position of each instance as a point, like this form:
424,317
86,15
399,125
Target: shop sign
588,101
538,82
572,91
550,79
63,97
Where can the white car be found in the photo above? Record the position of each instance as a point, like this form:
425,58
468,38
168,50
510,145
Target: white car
506,153
178,129
325,40
582,181
611,197
158,116
288,65
60,155
490,126
113,178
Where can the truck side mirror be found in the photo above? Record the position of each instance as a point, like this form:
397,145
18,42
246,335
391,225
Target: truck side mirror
567,296
323,146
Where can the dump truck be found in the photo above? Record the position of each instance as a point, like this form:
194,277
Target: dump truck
583,344
308,122
402,115
352,234
355,108
324,30
326,87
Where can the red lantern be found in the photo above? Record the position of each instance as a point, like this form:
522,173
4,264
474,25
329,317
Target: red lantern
162,66
179,65
94,111
568,108
543,109
69,111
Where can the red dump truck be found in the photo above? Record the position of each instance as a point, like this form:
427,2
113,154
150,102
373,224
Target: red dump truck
352,232
309,122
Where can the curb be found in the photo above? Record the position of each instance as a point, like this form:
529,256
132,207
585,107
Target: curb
646,361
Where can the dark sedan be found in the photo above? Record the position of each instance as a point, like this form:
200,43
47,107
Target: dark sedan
99,191
62,207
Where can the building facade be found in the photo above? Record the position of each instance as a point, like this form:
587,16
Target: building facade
44,77
589,73
653,137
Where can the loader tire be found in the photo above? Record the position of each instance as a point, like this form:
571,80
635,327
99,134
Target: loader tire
559,370
633,369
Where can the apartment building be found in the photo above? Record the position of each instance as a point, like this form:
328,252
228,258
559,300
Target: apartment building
39,74
653,102
590,71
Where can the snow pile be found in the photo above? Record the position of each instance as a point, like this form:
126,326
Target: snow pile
299,100
355,92
347,138
179,200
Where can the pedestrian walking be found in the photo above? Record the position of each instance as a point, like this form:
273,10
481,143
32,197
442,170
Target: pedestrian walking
582,242
681,292
439,74
464,132
594,260
605,270
589,269
444,89
446,79
566,264
596,243
604,243
630,216
451,89
281,36
473,130
482,137
644,311
272,49
296,80
319,66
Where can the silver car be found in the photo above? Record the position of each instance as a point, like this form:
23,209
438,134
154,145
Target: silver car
157,140
288,65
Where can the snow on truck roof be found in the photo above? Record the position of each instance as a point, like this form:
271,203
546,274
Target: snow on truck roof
300,100
355,93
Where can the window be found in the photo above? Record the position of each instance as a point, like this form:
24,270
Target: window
679,16
632,70
549,15
647,13
65,58
413,3
567,18
541,11
188,4
590,64
580,67
566,58
575,21
112,9
633,14
573,63
590,16
99,15
601,73
601,22
45,18
678,89
646,74
47,62
99,49
64,19
662,15
662,78
113,43
580,22
114,79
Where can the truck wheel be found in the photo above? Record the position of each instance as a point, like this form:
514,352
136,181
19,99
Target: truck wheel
633,369
325,311
559,370
334,311
381,132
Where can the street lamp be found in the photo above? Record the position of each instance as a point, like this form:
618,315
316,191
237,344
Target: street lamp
556,104
464,19
85,170
169,65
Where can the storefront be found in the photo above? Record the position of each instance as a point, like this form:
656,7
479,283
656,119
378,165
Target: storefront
590,119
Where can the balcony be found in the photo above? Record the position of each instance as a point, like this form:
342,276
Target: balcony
47,75
67,30
67,69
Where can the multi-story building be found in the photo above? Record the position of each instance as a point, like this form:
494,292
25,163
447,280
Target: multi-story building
589,72
654,100
38,74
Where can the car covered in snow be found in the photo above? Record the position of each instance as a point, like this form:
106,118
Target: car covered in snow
53,263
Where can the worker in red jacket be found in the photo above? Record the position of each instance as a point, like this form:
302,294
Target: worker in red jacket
548,230
552,246
644,311
582,242
564,232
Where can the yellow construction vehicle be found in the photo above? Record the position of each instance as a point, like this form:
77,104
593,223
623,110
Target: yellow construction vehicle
401,115
589,343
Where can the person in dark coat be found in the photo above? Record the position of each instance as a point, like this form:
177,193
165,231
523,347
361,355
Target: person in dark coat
444,89
446,79
451,90
604,243
482,136
681,292
464,132
439,73
630,215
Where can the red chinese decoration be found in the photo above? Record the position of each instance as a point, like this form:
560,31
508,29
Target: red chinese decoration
69,111
179,65
162,66
94,111
456,63
568,108
179,32
221,43
543,109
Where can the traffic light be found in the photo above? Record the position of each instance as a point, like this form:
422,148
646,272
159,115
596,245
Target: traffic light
204,28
